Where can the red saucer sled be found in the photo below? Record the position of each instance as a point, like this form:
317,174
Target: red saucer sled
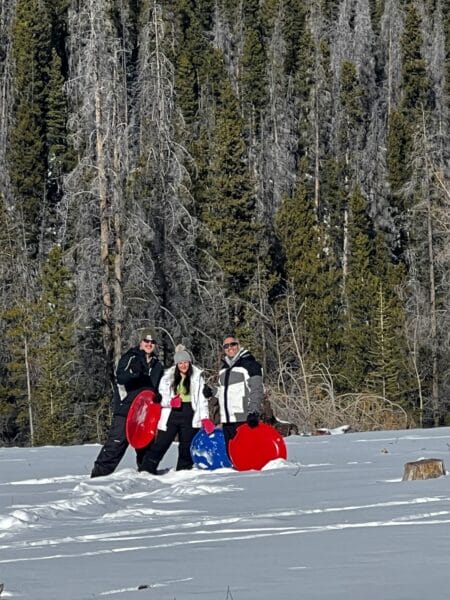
142,419
254,448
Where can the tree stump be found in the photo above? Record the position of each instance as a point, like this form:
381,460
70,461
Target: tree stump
427,468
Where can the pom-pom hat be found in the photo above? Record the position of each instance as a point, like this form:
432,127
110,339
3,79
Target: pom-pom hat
181,355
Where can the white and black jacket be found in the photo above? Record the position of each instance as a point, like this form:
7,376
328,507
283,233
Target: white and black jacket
240,390
198,400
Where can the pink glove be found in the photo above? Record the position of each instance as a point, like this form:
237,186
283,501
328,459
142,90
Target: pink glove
208,425
175,402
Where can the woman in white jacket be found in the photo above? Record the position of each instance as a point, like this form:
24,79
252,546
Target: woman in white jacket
184,411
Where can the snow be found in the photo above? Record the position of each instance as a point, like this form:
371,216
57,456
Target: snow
333,521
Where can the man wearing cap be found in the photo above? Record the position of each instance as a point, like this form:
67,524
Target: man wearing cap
138,369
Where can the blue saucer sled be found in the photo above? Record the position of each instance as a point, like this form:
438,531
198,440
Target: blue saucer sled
209,451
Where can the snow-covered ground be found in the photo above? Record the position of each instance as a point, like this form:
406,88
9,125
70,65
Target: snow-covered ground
333,521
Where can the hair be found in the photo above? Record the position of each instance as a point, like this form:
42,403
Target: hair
187,378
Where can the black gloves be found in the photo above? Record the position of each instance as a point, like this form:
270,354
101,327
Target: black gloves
157,399
253,420
207,391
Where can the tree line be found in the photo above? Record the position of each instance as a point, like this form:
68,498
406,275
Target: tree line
273,168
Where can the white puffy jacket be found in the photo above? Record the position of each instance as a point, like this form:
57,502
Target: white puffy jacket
198,400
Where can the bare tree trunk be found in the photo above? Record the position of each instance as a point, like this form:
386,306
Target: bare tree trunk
30,408
110,114
391,25
117,275
345,250
263,340
104,224
298,352
389,74
432,283
316,153
412,334
433,318
382,336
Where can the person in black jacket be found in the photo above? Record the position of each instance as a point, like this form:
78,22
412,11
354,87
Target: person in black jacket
138,369
240,388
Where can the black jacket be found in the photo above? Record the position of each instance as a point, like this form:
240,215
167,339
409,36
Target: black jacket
133,375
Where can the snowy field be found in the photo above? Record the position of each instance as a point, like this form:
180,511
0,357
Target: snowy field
334,521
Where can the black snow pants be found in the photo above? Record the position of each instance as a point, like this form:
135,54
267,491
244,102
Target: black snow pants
229,431
114,449
179,423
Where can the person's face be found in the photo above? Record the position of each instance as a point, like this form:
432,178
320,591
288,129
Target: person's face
230,347
183,366
147,346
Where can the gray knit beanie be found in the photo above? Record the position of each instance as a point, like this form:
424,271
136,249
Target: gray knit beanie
181,355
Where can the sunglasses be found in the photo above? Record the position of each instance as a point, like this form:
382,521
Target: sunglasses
149,341
230,345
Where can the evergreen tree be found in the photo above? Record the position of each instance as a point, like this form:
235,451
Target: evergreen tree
308,81
343,170
232,197
16,396
28,156
330,9
54,401
390,376
446,13
416,96
57,12
376,12
309,270
189,53
360,297
268,14
374,350
204,11
227,198
333,203
294,26
253,80
10,364
186,87
416,89
398,158
60,158
351,99
383,378
250,12
305,74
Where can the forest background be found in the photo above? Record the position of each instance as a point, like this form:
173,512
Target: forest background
276,168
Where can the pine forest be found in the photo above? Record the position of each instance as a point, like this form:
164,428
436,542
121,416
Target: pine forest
278,169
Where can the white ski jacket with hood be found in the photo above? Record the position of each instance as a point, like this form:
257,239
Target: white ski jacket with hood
198,400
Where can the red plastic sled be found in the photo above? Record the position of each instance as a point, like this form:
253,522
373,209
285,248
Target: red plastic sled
142,419
254,448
